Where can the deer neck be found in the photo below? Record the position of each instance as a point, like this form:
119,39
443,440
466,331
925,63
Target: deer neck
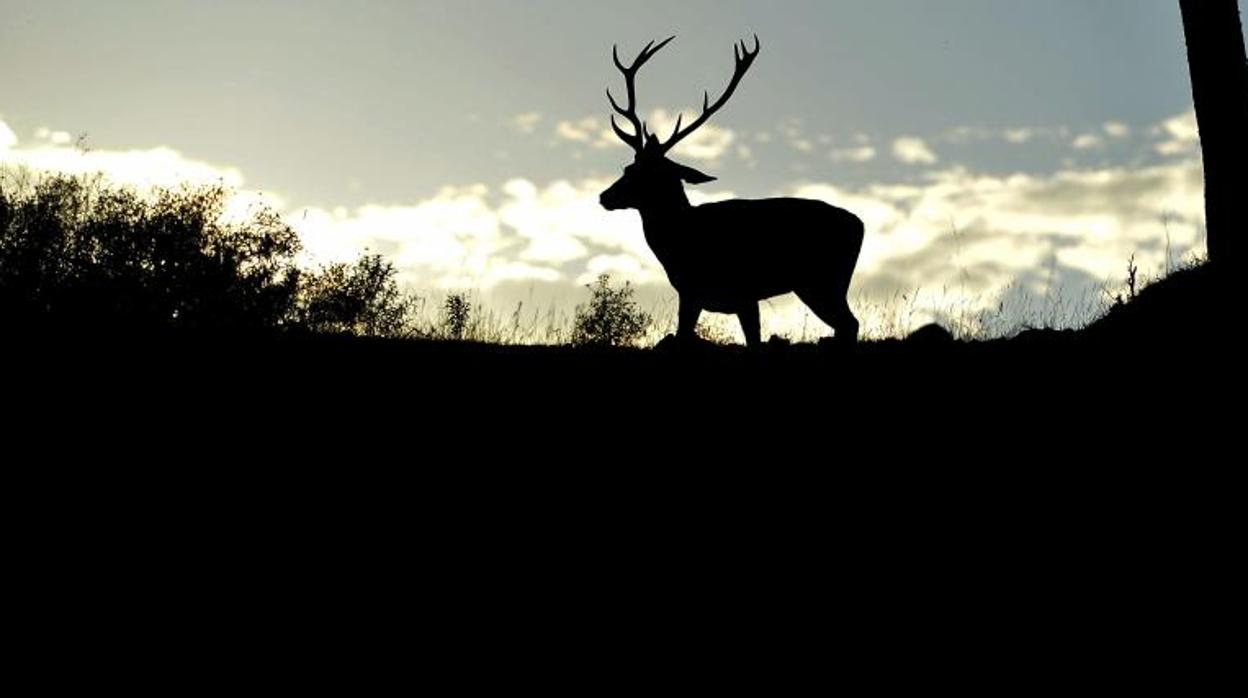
663,219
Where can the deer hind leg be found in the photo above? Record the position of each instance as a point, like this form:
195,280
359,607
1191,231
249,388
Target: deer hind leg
748,316
833,308
689,312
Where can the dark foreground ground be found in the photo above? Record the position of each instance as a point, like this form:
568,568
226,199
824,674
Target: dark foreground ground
1171,355
1149,397
1054,511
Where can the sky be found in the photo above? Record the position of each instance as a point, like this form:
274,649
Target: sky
1003,153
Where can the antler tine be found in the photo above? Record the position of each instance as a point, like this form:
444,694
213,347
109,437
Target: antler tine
636,139
615,58
743,59
676,128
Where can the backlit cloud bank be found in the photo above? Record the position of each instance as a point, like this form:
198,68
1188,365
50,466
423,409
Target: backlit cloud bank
951,241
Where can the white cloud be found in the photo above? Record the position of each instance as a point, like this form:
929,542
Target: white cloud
863,153
550,221
618,265
54,137
967,134
708,143
1183,137
913,151
957,242
962,237
1088,141
8,139
1019,135
159,166
526,122
587,130
462,238
448,241
1117,129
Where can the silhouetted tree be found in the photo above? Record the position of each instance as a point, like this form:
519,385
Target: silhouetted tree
76,254
1215,55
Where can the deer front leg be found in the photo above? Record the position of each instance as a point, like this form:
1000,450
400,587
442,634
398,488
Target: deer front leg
689,312
748,316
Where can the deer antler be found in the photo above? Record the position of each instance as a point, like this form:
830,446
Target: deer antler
744,59
637,139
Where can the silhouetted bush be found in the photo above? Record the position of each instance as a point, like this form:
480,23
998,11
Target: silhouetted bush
456,316
77,254
611,318
361,298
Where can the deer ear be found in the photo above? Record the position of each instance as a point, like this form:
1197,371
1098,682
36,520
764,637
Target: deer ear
692,176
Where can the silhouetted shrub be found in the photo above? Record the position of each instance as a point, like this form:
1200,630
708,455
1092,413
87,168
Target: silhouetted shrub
77,254
611,318
456,316
361,298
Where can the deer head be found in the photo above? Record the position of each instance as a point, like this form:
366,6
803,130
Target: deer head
653,180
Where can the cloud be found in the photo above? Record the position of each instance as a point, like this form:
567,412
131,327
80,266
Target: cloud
1015,135
526,122
454,233
54,137
618,265
1088,141
1117,129
913,151
8,139
709,143
1019,135
864,153
964,240
962,135
587,130
955,244
159,166
473,237
1182,135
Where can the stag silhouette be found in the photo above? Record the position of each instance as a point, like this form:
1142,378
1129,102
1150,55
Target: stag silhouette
727,256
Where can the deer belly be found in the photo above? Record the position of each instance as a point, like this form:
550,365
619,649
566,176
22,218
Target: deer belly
725,289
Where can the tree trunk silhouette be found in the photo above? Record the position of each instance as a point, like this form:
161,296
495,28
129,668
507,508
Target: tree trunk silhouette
1215,55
